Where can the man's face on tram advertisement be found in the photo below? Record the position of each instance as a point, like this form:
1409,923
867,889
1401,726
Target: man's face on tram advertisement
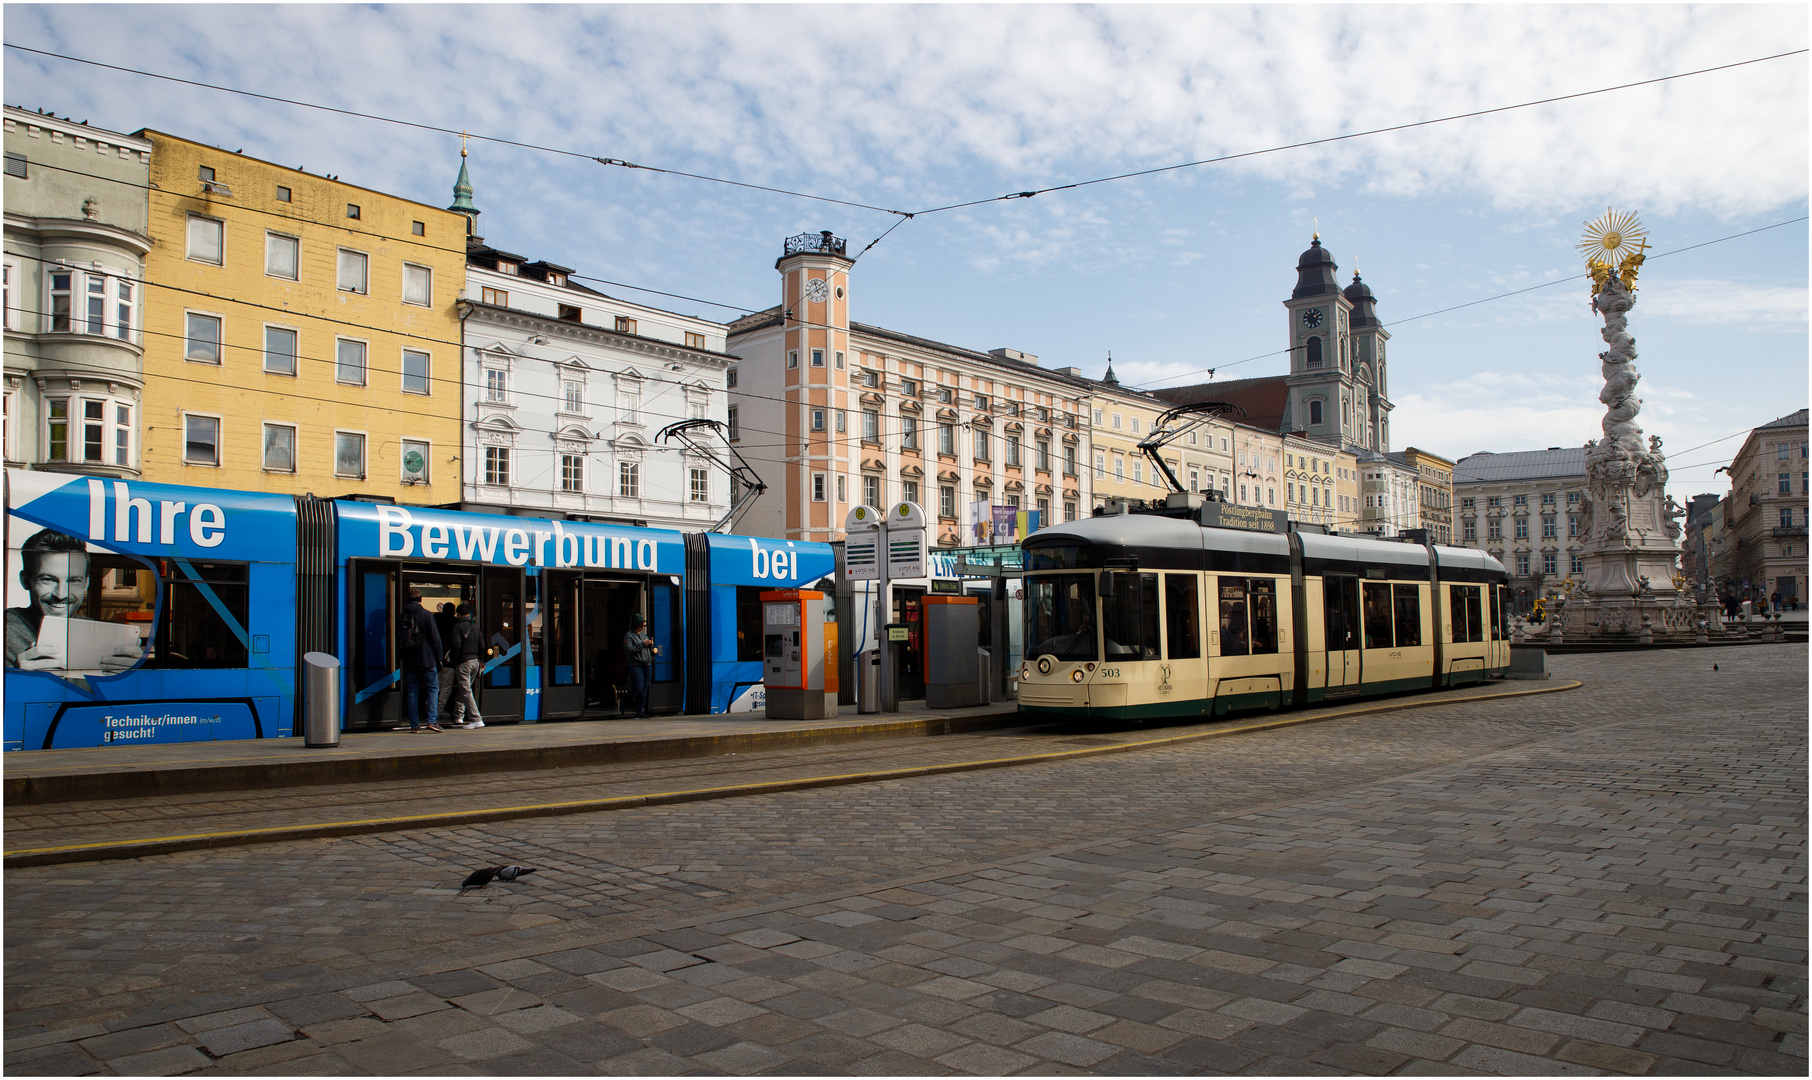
56,580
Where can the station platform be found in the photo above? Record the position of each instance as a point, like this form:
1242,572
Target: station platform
138,771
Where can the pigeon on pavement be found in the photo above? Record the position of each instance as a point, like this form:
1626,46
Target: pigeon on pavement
480,878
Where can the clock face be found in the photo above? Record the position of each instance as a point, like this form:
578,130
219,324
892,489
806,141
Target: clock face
1311,317
413,462
816,291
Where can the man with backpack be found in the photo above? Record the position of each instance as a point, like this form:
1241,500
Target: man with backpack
465,656
418,652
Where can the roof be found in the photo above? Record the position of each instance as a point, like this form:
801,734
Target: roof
1791,420
1264,399
1550,464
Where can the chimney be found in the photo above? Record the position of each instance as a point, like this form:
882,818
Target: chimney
1013,354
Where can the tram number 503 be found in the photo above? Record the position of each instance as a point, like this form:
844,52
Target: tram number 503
1110,673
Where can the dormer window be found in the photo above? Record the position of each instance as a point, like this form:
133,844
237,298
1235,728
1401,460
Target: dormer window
504,266
569,313
625,324
207,174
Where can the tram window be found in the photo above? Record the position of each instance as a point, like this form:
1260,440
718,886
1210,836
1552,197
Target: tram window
1182,639
196,632
563,628
1498,610
1377,615
1341,596
664,627
1409,614
748,623
1130,624
1475,622
1057,558
1235,633
1060,616
1456,610
1262,600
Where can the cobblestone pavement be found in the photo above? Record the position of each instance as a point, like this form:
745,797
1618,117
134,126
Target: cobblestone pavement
1608,880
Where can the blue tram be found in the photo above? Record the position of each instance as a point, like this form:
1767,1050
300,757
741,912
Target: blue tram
141,612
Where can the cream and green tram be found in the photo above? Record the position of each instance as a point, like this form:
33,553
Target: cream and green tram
1152,615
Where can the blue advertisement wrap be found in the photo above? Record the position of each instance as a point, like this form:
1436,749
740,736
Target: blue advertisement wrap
122,591
369,531
751,562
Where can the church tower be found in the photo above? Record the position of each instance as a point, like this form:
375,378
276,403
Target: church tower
462,199
1368,341
1322,392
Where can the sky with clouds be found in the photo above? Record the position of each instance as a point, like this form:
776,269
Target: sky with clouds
1173,272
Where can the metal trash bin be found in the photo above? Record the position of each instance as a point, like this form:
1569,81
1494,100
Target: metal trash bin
868,681
320,699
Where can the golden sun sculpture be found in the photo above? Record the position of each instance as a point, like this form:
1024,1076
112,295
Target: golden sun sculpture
1614,237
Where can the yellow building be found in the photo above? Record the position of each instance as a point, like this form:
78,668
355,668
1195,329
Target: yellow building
1122,417
300,333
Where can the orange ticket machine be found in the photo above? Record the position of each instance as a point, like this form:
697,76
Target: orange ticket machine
796,659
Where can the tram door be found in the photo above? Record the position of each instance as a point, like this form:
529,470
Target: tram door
500,620
1341,620
382,590
586,670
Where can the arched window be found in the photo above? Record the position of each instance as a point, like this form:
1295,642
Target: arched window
1315,412
1312,348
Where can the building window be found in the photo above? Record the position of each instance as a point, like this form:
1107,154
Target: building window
1522,566
283,193
1495,531
817,419
1116,421
349,361
1100,464
1494,500
1472,531
629,406
7,301
201,440
572,473
570,313
909,388
909,432
1097,417
1069,511
282,256
16,166
1786,484
1312,350
871,490
1549,563
349,454
946,439
792,358
279,350
817,487
498,297
817,357
1138,471
839,361
415,372
497,386
1466,504
1012,450
871,425
497,465
700,485
629,479
842,421
206,239
735,424
1042,455
730,378
1578,565
1572,526
1069,461
1547,498
353,271
122,434
946,502
279,448
573,396
1520,500
983,445
1548,529
202,339
842,489
1572,498
1315,412
694,341
414,459
418,228
418,285
625,324
909,491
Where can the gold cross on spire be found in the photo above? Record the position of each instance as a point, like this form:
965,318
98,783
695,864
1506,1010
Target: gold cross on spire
462,144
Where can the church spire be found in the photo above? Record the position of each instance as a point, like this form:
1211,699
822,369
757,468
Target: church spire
462,193
1109,378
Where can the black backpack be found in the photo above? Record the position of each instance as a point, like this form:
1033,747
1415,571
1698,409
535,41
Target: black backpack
408,634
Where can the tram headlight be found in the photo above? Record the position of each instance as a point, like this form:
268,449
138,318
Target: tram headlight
1044,665
1076,676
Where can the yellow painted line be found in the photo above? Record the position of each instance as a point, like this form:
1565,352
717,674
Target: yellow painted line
765,787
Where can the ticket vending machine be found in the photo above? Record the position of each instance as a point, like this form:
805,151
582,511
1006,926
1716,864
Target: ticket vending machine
794,660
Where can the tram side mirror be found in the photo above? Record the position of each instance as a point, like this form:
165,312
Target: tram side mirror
1104,586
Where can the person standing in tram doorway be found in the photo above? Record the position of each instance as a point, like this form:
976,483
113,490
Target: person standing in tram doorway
418,651
466,653
642,651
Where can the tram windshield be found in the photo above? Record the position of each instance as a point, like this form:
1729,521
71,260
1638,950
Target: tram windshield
1060,616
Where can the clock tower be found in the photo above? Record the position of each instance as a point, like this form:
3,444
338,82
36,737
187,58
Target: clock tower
814,305
1324,395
